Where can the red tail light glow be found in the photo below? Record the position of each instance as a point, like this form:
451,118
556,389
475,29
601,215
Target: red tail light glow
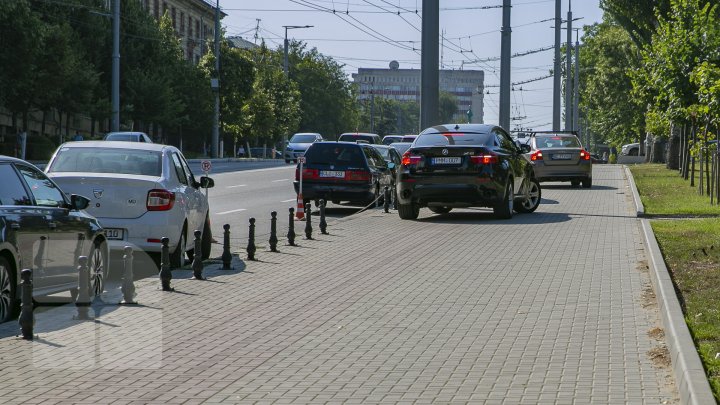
307,174
487,159
357,175
160,200
409,160
584,155
537,155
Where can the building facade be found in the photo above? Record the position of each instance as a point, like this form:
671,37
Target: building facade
405,84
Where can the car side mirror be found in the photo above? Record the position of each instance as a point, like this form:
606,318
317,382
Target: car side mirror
207,182
78,202
525,148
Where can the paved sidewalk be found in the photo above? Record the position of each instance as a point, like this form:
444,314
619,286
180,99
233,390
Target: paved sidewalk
551,307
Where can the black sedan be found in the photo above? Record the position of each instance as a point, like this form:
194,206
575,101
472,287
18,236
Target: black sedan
466,165
343,172
44,230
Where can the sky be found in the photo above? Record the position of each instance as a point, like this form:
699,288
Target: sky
371,33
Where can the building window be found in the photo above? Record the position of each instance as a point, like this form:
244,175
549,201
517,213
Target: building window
174,20
197,28
164,7
190,30
182,23
157,9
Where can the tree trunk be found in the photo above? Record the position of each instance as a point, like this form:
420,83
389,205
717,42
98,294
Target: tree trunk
673,148
692,158
42,124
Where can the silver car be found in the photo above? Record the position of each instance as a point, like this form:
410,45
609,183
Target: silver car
139,192
298,144
560,156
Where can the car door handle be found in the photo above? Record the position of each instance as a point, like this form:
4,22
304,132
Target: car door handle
52,225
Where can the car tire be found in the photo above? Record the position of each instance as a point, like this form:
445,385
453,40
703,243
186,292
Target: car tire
532,200
408,211
98,267
8,292
587,183
575,183
504,209
440,210
177,258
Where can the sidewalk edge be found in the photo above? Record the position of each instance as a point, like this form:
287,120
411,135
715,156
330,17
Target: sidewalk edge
639,207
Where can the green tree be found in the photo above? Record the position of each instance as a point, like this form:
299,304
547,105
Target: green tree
638,17
447,107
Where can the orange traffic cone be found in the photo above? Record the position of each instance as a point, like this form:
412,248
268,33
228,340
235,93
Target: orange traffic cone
300,211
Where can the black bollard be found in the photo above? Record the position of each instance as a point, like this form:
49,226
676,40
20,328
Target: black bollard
273,232
323,223
197,264
165,273
226,255
386,199
128,285
27,318
82,302
251,241
308,222
291,228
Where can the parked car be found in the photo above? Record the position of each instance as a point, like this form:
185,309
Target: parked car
389,139
466,165
597,159
631,149
139,192
559,156
393,159
360,136
299,143
128,136
408,138
401,147
343,172
46,231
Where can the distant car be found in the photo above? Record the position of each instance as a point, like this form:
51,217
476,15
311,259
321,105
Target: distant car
299,143
343,172
466,165
597,159
559,156
128,136
389,139
401,147
408,138
631,149
360,136
46,231
139,193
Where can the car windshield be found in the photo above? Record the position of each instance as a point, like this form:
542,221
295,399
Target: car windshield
331,153
444,139
543,142
385,152
96,160
302,139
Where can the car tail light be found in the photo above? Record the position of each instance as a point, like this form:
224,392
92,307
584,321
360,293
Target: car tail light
537,155
487,159
307,174
408,159
160,200
357,175
584,155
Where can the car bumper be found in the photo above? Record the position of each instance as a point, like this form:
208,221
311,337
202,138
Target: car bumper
294,154
563,173
144,233
461,192
336,192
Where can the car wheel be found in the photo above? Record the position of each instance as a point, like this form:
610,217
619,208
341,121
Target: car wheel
8,302
98,266
408,211
177,257
532,199
440,210
587,183
504,209
575,183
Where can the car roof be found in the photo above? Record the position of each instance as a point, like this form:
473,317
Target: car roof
117,145
306,133
5,158
358,133
477,128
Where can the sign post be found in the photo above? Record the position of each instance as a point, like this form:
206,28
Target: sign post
301,160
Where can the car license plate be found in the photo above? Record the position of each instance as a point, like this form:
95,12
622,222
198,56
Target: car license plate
115,234
562,156
446,160
332,173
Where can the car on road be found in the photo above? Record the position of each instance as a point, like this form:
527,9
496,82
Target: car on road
128,136
401,147
45,230
299,143
389,139
360,136
139,192
408,138
559,156
466,165
343,172
631,149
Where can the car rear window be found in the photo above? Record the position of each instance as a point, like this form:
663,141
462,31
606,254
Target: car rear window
303,139
557,142
356,137
443,139
95,160
335,154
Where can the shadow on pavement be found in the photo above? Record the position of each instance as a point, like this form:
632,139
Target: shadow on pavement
465,217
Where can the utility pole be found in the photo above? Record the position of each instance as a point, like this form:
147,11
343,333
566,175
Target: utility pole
556,68
215,84
505,45
430,76
286,68
576,85
568,72
115,121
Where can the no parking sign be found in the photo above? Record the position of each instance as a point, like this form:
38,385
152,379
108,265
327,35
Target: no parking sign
206,165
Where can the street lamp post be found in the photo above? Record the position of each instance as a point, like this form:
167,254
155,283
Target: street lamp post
287,70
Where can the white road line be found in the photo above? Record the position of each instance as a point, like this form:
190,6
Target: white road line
275,181
289,200
239,185
230,212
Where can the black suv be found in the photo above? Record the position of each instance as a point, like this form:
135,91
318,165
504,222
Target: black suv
343,171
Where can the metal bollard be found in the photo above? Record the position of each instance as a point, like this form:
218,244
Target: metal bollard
27,318
83,298
308,222
273,232
323,223
386,199
291,228
226,255
251,241
165,273
128,286
197,264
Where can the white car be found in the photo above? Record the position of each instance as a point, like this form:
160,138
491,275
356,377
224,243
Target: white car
631,149
139,192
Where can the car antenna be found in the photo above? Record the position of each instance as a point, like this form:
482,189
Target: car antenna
457,127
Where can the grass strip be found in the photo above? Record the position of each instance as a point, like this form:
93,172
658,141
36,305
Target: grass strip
664,192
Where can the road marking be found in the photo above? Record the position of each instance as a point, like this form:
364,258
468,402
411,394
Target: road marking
239,185
230,212
294,199
275,181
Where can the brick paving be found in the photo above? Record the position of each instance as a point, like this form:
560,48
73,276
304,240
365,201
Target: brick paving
547,308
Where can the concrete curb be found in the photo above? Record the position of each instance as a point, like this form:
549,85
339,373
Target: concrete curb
690,377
